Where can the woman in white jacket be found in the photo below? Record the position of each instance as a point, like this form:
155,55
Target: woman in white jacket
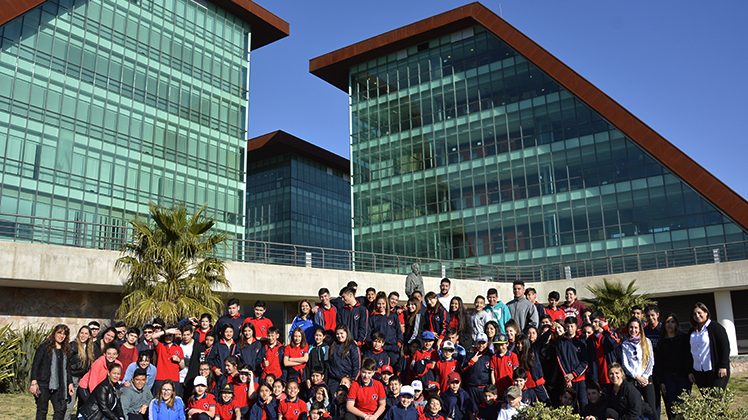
638,363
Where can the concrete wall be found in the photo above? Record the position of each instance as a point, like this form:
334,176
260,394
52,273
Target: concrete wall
59,268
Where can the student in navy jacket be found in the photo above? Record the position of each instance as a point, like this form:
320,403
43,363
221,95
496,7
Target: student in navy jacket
233,317
435,318
476,369
572,360
266,407
250,349
388,324
404,410
345,359
354,316
224,347
457,402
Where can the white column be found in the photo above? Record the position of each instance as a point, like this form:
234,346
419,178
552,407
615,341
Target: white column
723,312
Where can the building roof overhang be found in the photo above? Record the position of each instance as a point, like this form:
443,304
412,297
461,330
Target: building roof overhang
279,142
334,67
266,27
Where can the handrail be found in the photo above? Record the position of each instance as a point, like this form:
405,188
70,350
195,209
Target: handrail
34,229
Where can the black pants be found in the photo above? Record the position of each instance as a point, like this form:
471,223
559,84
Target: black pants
648,393
349,416
710,379
136,416
58,398
201,416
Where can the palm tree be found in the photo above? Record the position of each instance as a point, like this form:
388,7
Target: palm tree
171,271
616,301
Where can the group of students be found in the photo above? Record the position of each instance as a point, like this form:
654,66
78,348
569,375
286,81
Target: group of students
368,357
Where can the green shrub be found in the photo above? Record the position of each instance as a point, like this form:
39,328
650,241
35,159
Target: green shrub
540,411
9,344
709,404
29,338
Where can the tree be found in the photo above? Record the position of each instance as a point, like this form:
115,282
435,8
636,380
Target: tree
615,301
171,270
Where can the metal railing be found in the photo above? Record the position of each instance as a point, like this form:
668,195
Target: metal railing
112,237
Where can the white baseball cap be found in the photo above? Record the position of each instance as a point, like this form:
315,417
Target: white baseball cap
408,390
200,380
416,385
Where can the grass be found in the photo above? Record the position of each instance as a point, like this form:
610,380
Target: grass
22,406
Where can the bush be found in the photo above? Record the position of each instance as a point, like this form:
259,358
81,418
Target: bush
9,344
540,411
29,338
709,404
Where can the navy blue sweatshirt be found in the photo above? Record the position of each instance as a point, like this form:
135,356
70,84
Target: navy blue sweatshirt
478,374
250,356
356,319
389,326
344,363
572,357
459,405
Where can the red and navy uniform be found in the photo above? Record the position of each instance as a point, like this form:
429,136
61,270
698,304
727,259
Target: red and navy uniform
262,411
602,353
426,415
529,396
326,318
488,410
202,403
435,320
458,405
389,326
225,410
261,326
381,357
555,314
476,375
250,355
292,410
503,370
343,362
296,372
443,368
241,393
222,350
366,397
235,321
274,355
356,319
571,355
200,334
167,368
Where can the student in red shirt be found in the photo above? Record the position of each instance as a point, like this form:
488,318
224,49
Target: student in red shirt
226,408
128,351
446,365
295,356
168,357
503,364
262,325
367,397
293,407
205,327
272,355
325,314
553,310
202,405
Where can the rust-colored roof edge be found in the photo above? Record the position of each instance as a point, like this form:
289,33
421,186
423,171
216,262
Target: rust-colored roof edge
266,27
330,67
279,141
14,8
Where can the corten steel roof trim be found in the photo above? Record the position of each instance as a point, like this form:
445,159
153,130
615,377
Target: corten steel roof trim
333,68
280,142
266,27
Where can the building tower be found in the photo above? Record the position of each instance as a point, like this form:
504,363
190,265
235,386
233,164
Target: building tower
107,105
471,142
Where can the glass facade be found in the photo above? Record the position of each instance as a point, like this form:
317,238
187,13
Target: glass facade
462,149
292,199
107,105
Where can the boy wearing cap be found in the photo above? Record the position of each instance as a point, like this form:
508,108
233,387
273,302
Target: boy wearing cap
367,397
226,407
512,405
404,409
202,405
476,369
503,364
447,364
418,399
457,402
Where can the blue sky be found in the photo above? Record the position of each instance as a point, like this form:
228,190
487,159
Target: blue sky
680,66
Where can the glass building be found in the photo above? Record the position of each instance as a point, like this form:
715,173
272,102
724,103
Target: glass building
107,105
297,193
470,142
